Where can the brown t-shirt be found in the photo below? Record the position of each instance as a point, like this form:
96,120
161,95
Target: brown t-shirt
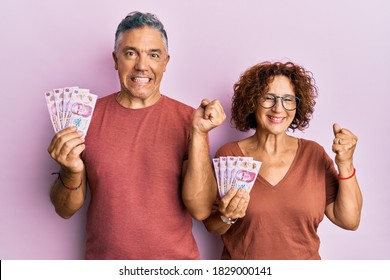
281,221
134,161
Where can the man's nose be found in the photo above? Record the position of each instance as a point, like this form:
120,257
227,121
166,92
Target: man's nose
142,63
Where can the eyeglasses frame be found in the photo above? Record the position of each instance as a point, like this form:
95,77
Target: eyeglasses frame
282,98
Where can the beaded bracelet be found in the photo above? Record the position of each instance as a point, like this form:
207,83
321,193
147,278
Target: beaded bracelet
346,178
68,187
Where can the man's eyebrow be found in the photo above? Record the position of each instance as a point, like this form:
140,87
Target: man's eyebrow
130,48
126,48
156,50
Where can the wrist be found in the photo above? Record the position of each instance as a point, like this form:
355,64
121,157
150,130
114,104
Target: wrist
196,132
70,180
348,177
345,170
66,173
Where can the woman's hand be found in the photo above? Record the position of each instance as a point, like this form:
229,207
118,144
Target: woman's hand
234,204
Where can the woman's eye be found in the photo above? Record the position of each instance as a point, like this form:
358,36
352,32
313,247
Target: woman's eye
289,98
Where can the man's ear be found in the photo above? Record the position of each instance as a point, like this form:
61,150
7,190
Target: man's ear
115,60
166,61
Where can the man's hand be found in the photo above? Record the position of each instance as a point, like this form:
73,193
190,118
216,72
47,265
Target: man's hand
208,116
66,147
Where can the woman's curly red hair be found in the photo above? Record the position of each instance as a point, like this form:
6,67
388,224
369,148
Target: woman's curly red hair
254,83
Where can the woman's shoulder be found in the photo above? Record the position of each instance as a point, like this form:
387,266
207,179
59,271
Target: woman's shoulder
311,146
229,149
309,143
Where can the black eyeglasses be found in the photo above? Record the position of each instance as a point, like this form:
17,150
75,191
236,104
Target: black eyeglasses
289,102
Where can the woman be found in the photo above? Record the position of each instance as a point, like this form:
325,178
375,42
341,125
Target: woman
297,183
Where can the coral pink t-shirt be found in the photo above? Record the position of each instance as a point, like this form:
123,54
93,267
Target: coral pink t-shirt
281,221
134,161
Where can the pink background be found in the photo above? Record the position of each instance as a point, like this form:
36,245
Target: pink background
49,44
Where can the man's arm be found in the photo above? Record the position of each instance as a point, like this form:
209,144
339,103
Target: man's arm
68,201
69,191
199,184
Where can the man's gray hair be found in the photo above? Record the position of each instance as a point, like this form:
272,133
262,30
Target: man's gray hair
138,20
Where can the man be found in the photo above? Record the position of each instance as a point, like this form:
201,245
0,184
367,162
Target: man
145,159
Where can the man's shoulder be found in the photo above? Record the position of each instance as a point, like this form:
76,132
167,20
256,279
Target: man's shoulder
104,101
106,98
178,104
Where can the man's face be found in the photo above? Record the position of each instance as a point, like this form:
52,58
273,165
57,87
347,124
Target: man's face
141,60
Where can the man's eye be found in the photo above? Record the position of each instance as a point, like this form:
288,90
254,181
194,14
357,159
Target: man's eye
130,53
155,55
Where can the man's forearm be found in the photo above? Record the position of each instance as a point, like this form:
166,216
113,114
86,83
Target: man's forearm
199,186
68,194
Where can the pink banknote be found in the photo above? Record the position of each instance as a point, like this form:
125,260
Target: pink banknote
237,172
70,106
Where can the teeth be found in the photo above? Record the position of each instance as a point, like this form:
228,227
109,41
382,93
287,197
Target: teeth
141,80
276,119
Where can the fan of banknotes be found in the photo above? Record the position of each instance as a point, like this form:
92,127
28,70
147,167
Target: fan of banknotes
235,172
70,106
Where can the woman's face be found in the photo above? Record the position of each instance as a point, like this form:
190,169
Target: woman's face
277,119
